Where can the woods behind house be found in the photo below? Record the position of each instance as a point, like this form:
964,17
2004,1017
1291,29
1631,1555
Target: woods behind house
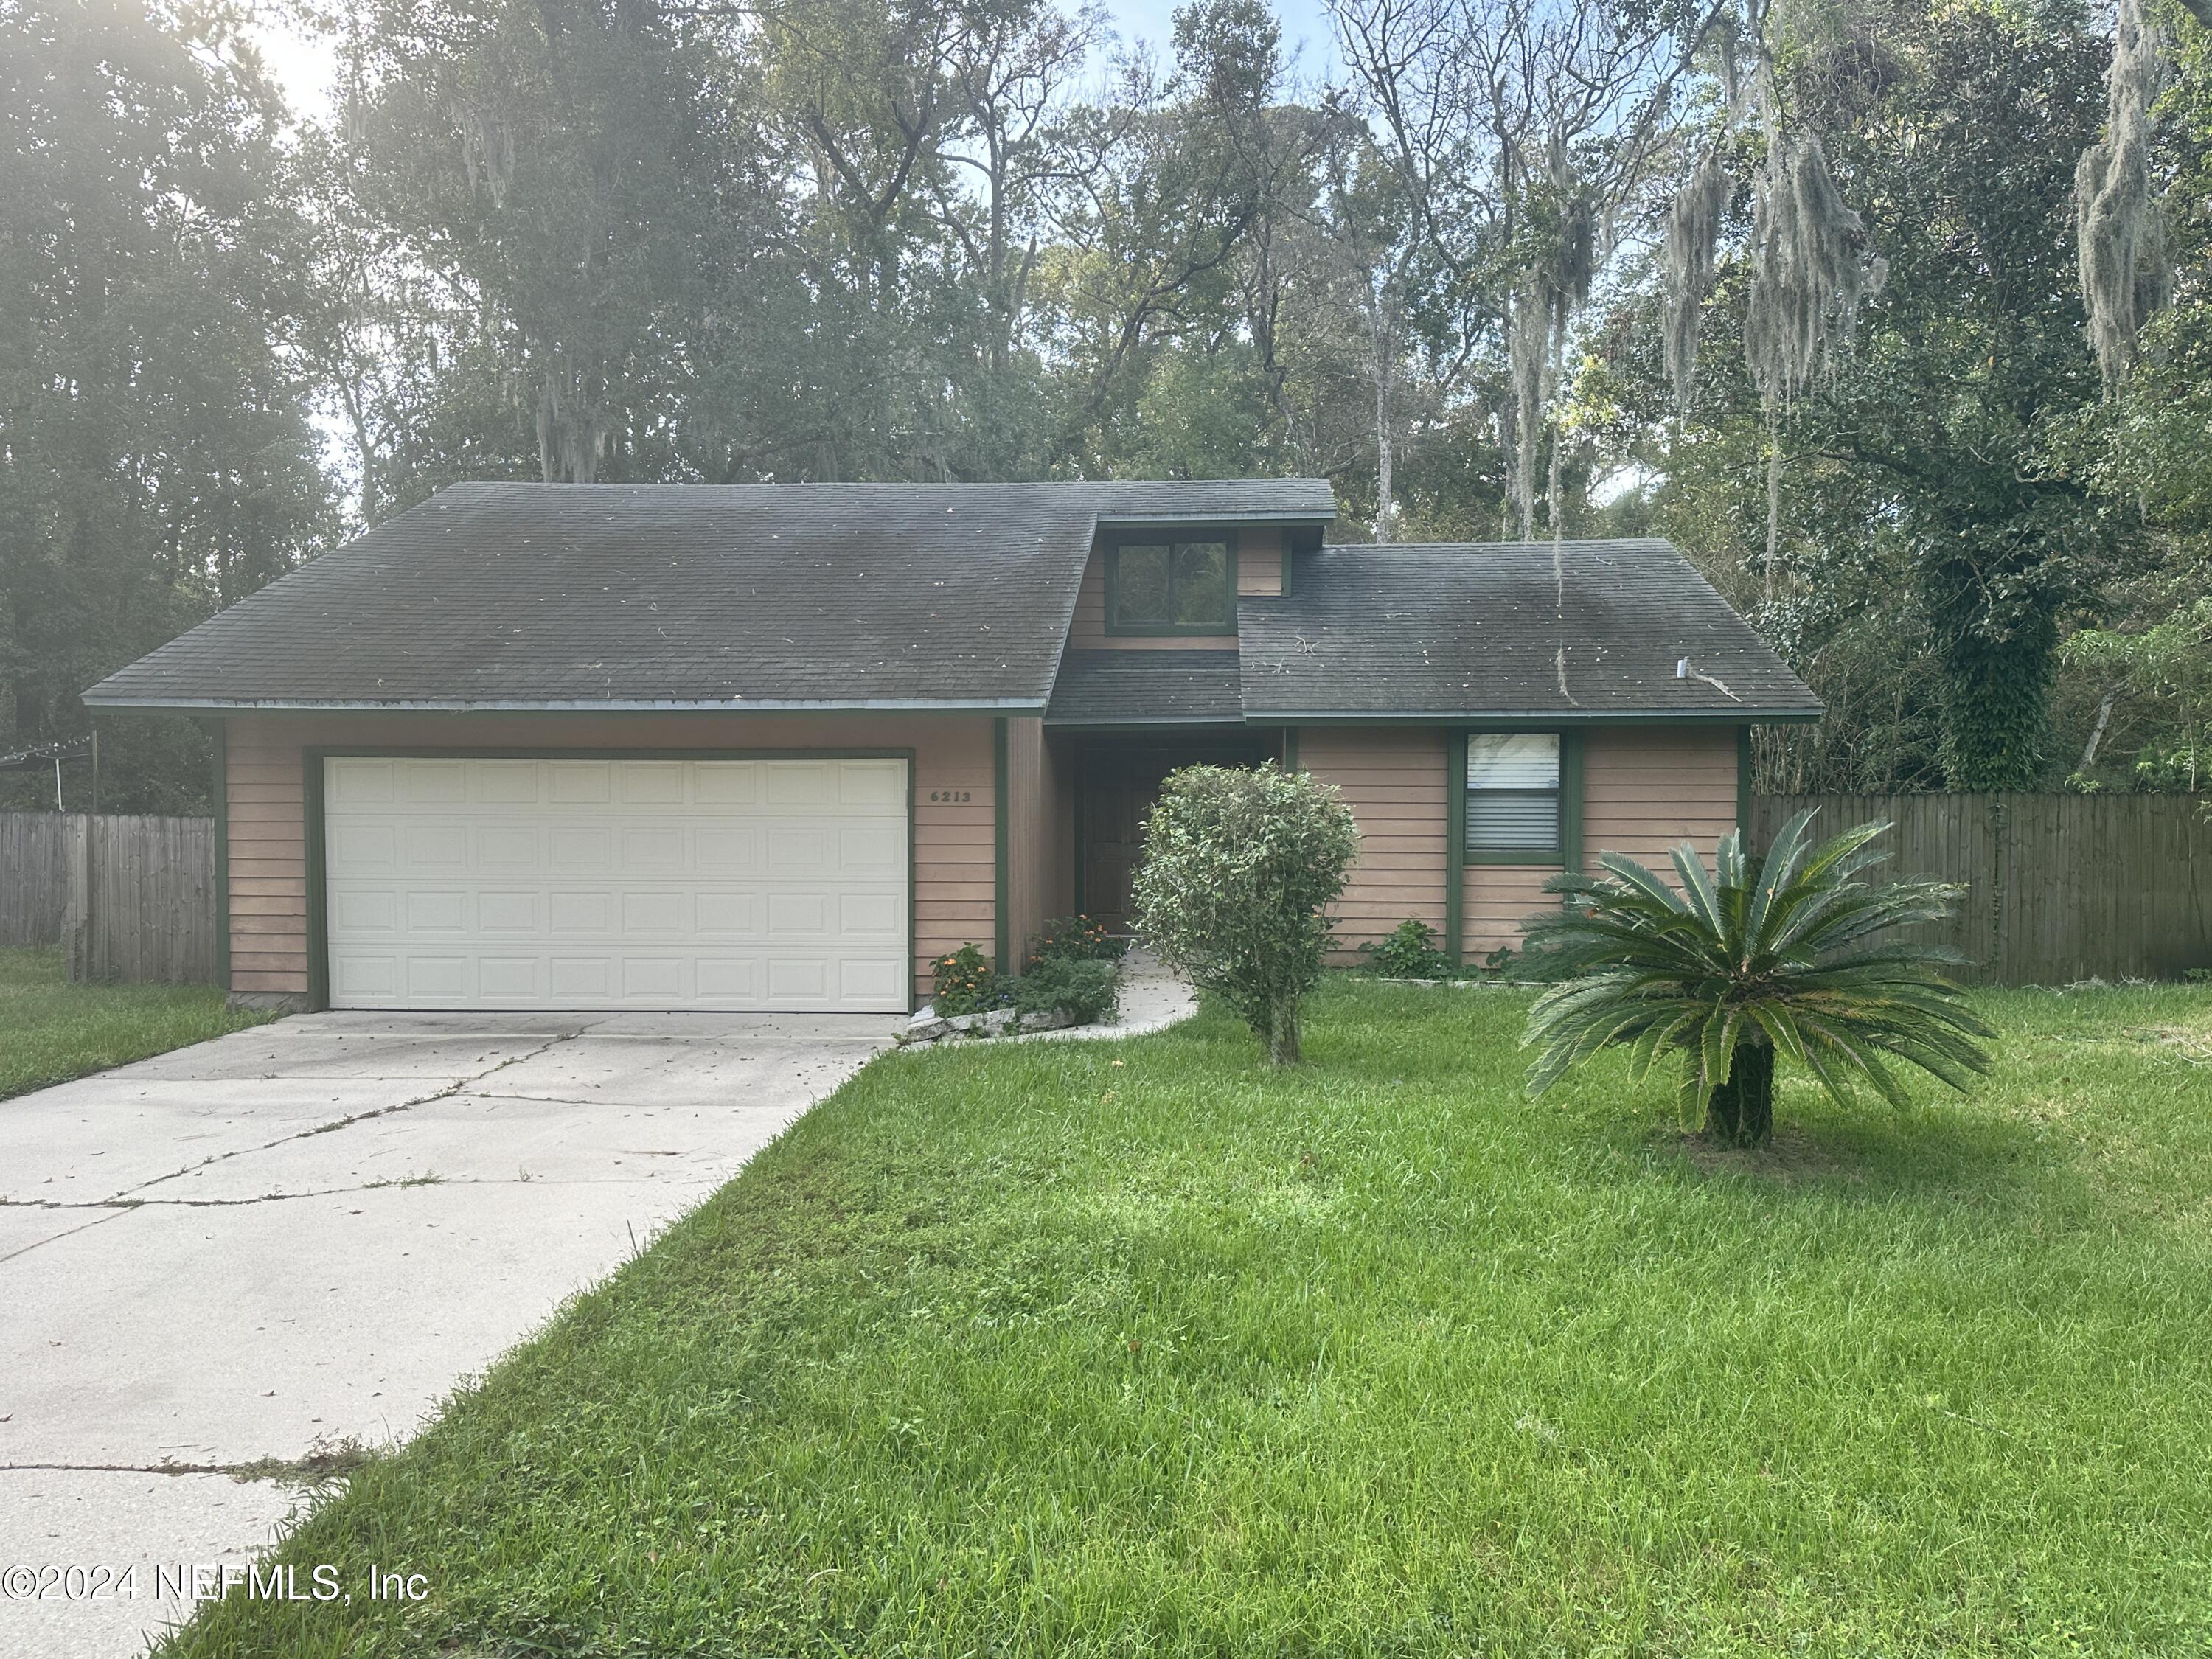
1891,313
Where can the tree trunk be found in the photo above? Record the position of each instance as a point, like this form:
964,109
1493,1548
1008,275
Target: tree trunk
1743,1110
1283,1039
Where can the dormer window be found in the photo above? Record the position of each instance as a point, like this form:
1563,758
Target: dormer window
1171,586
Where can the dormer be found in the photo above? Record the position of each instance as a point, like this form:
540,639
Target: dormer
1156,585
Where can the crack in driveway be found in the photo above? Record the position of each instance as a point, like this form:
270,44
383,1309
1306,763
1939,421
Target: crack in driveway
460,1085
124,1204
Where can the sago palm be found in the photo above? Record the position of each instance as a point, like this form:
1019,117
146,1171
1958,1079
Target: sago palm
1758,958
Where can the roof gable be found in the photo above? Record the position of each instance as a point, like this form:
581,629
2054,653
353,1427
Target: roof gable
766,596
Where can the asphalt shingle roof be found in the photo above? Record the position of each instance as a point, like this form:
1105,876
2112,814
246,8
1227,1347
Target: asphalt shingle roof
750,595
1503,629
1125,687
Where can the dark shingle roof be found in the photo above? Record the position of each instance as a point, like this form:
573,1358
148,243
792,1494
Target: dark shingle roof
1127,688
1502,630
615,595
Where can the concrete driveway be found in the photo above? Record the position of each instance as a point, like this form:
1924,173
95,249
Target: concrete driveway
306,1234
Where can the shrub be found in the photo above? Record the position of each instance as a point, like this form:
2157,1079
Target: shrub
1763,957
1239,866
1409,952
1075,939
1086,989
966,983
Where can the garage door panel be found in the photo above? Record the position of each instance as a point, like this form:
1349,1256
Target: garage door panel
509,848
508,883
507,783
725,849
650,783
572,782
433,782
659,849
726,783
509,913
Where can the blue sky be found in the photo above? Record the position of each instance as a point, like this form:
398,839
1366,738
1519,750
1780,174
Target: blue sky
1304,24
302,63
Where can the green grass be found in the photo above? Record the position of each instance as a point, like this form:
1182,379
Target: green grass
1030,1351
51,1030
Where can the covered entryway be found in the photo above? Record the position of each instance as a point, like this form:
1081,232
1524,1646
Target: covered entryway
1117,781
581,883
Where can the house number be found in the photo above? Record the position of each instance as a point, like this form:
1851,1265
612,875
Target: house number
948,794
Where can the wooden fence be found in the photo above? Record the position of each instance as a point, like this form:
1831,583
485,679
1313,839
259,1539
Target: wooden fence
2060,887
130,898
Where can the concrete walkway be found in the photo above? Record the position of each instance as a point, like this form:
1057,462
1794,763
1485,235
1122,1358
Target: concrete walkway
305,1235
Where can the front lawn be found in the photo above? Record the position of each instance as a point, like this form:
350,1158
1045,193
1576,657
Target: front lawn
51,1030
1130,1348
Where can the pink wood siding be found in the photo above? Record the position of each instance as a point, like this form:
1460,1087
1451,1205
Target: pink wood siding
1495,898
1260,564
1646,790
954,851
1028,827
1393,779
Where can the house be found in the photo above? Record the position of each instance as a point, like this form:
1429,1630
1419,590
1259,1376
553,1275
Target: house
779,746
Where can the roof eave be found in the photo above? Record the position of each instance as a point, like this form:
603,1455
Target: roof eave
1157,521
580,705
1544,717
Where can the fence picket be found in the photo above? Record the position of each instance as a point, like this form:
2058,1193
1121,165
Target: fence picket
2060,888
129,898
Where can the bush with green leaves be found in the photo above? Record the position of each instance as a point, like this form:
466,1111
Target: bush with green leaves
1409,950
965,983
1239,870
1760,957
1075,939
1086,989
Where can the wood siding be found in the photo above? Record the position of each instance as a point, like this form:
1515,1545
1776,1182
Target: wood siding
1259,575
1392,777
1260,564
1645,791
954,837
1028,831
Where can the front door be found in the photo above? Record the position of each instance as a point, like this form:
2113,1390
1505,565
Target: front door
1120,784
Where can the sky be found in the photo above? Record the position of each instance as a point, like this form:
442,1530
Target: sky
302,63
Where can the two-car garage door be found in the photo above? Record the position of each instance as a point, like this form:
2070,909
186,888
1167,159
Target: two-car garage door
581,884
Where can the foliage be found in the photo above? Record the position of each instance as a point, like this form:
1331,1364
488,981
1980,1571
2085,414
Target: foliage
1087,989
156,460
964,982
1409,950
1075,939
2170,661
1761,956
1240,868
1900,1394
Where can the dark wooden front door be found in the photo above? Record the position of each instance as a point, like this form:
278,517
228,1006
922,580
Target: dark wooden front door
1118,786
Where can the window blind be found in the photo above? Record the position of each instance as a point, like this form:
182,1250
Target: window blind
1513,792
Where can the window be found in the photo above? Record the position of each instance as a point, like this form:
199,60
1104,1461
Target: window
1170,587
1514,800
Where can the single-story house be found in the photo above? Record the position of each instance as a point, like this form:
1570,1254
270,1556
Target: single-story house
779,746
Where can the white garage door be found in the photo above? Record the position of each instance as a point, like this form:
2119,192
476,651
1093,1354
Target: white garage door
616,883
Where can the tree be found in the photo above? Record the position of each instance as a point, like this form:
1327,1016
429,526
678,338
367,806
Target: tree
1240,868
1905,522
156,459
1760,957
